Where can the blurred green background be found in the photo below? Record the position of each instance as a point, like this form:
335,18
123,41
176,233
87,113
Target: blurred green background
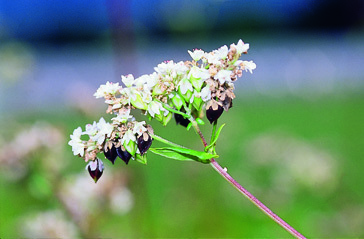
294,137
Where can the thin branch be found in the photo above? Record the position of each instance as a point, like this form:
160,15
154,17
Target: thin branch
246,193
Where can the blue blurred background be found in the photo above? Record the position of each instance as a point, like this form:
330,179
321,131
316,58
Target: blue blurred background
304,100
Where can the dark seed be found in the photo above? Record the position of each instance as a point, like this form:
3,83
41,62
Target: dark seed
123,154
213,115
110,153
181,120
96,172
143,145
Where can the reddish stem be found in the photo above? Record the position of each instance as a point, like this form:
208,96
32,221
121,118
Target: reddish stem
247,194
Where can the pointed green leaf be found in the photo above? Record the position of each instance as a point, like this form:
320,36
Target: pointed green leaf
184,154
214,138
200,121
141,158
170,154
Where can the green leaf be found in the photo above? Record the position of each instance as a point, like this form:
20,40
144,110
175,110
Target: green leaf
200,121
141,158
214,138
184,154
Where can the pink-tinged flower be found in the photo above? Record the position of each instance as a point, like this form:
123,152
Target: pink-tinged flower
128,80
95,169
241,47
108,89
196,54
249,66
223,76
78,147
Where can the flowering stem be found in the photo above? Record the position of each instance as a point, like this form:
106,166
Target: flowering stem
246,193
175,111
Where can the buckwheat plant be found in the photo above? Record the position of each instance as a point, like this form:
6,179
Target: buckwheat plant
185,91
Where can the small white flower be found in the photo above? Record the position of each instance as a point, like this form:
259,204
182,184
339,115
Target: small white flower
107,89
146,94
206,93
223,76
97,131
180,68
241,47
91,129
185,85
122,118
213,58
128,80
78,147
222,52
129,135
197,72
139,128
154,108
196,54
249,66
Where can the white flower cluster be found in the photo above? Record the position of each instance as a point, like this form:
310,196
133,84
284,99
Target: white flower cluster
182,89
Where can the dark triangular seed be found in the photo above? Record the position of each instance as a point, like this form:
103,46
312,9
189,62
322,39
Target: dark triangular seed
143,145
213,115
123,154
110,154
97,173
181,120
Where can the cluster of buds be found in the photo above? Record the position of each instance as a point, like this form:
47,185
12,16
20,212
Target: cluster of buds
184,90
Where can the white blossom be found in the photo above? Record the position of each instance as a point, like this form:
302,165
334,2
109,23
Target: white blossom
223,76
249,66
185,85
97,131
241,47
196,54
154,108
197,72
122,118
108,89
206,93
213,58
222,52
139,128
128,80
78,147
129,135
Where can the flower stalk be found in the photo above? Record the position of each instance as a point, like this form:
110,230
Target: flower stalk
246,193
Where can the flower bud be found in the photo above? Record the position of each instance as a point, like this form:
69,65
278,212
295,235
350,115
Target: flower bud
110,151
95,169
123,154
213,111
181,120
144,142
